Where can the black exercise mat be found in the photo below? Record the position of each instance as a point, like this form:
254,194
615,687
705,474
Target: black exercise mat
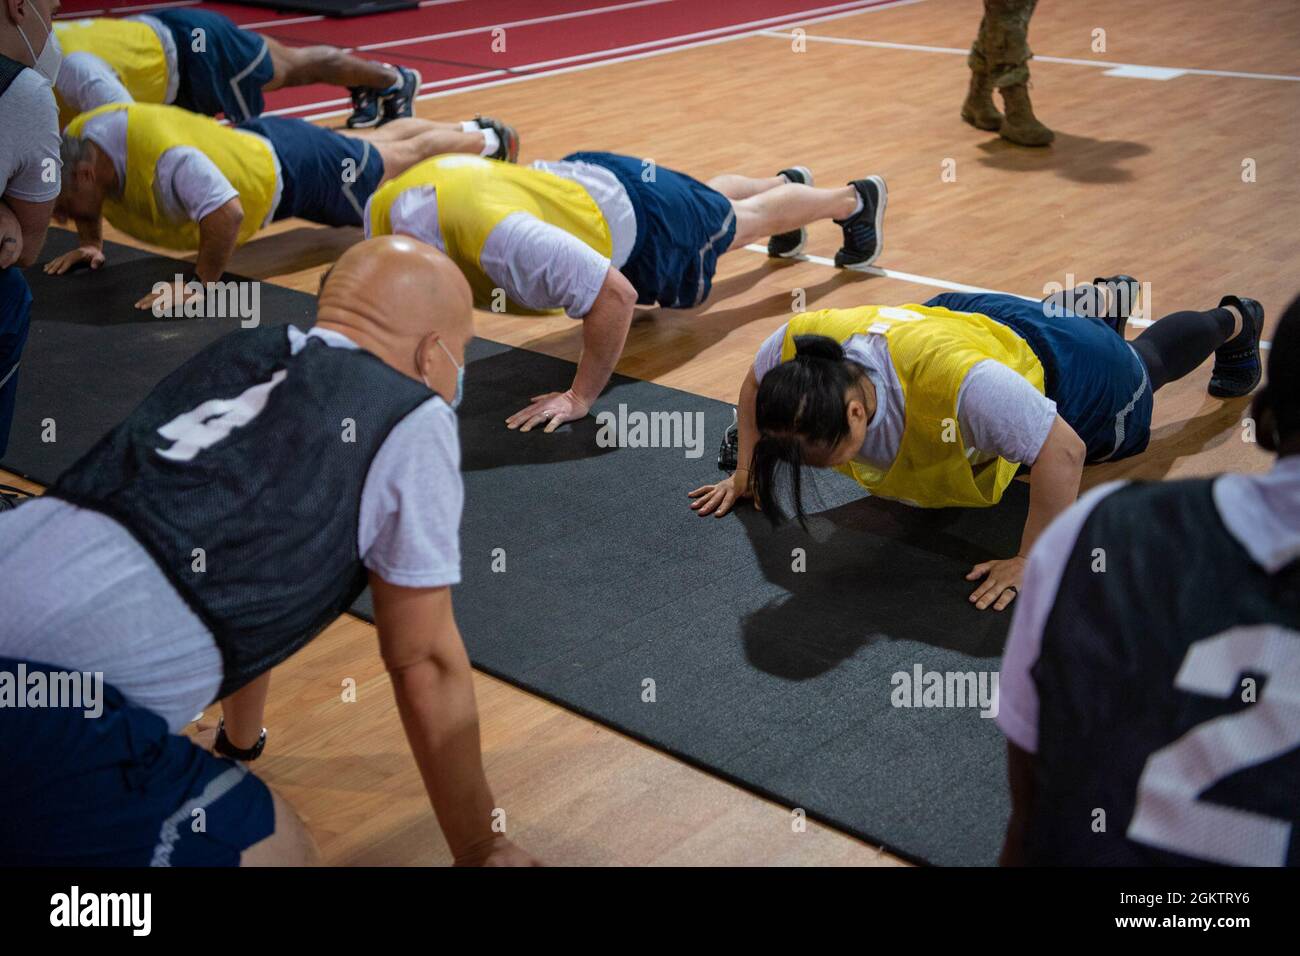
91,356
777,679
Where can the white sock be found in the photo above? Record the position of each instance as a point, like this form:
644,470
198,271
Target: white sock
858,208
469,126
491,142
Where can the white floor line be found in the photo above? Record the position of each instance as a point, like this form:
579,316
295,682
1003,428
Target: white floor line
512,24
750,29
933,282
1134,69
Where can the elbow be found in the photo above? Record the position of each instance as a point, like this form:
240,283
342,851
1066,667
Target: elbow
1074,452
432,668
618,294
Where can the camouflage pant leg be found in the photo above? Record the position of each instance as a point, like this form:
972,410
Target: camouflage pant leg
1002,48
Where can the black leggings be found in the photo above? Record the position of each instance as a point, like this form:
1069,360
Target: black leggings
1178,343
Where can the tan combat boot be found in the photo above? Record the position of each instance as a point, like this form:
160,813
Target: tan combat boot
978,110
1020,125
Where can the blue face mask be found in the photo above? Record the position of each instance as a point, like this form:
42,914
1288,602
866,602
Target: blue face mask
460,378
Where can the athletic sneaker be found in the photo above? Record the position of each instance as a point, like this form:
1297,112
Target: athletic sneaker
1237,366
863,239
11,497
365,107
507,138
787,245
1121,295
729,452
399,103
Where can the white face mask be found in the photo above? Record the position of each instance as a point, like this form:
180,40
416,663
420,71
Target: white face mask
460,379
51,56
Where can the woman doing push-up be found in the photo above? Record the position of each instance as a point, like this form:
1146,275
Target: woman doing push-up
938,405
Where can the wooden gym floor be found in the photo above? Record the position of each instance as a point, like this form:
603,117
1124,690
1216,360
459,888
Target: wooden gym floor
1145,177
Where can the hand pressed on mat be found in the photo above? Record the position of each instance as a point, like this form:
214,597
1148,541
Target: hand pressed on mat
719,499
87,255
1001,582
552,409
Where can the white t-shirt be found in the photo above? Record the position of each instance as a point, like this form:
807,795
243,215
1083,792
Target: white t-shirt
87,82
1261,511
999,413
188,185
29,163
540,266
127,621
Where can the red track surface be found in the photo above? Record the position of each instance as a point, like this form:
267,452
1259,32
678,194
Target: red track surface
571,31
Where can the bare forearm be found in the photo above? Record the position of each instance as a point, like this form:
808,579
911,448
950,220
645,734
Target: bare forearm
436,704
746,425
1053,487
218,236
90,232
30,222
604,330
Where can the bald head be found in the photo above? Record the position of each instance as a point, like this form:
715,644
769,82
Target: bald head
404,301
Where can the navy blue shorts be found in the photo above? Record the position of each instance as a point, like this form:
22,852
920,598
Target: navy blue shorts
327,177
117,789
227,74
682,226
15,320
1099,384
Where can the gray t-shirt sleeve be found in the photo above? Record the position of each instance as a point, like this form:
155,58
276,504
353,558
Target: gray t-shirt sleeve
86,82
769,353
190,185
409,532
29,164
541,266
1001,414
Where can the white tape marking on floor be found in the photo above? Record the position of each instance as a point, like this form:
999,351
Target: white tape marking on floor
895,274
1139,70
751,28
533,21
1129,72
932,282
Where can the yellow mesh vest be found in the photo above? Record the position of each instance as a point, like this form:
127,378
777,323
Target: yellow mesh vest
129,47
932,350
151,130
474,194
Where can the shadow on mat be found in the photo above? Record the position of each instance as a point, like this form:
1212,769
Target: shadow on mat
501,384
1079,158
875,570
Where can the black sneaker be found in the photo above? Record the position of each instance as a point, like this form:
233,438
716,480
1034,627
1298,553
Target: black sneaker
365,108
1237,366
1121,297
508,139
862,231
400,103
787,245
730,450
11,497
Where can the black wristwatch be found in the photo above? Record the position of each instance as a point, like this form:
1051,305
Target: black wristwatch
224,747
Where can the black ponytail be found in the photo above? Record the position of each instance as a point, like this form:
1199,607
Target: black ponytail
800,403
